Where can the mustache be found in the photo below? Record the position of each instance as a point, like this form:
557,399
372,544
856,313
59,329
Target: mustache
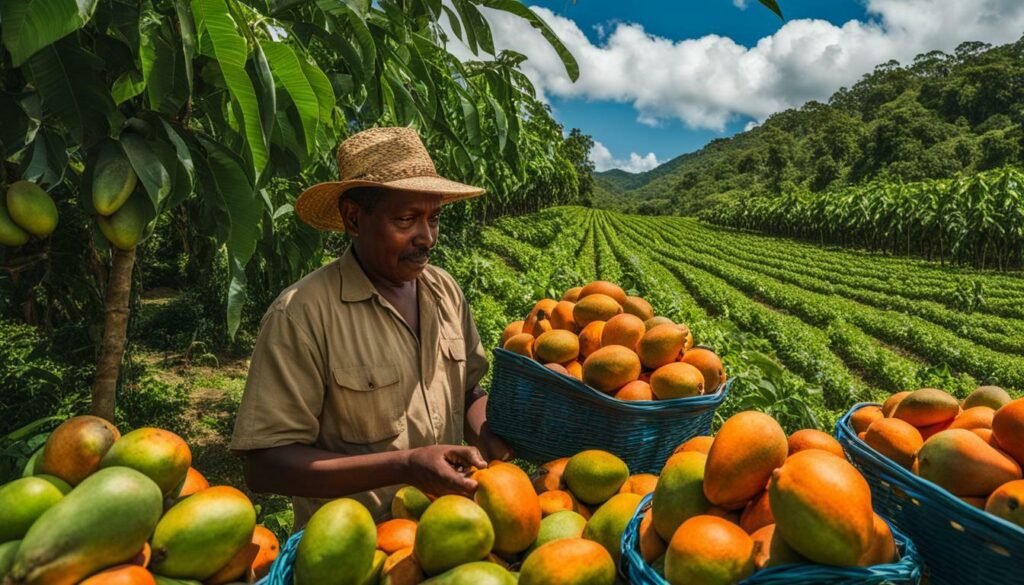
420,255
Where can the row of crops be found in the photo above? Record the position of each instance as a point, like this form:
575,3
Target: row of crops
805,330
975,220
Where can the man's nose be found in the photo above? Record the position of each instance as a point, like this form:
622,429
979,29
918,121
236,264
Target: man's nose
425,235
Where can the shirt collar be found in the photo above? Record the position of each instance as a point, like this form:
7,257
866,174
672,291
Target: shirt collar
356,286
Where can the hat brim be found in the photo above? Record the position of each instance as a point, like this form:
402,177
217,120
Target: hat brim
318,205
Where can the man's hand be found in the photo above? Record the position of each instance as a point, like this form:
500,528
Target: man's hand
442,469
492,446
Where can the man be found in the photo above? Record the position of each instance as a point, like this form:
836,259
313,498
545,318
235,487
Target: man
365,373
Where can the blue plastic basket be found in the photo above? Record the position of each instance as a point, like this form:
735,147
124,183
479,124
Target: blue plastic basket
281,571
906,571
544,415
958,542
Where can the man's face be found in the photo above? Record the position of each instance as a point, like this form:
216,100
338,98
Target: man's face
394,242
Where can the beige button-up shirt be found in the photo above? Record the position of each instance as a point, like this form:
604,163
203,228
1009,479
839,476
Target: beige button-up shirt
335,366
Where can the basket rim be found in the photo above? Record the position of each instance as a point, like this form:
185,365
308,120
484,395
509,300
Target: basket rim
844,433
714,399
909,560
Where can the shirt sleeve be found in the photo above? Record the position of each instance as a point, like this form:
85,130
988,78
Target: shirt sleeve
476,355
284,391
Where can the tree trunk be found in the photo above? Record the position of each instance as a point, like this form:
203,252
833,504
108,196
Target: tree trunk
115,331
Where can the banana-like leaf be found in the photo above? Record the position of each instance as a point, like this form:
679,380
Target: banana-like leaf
572,68
289,73
266,89
30,25
228,47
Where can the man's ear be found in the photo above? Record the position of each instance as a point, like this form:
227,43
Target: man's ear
349,216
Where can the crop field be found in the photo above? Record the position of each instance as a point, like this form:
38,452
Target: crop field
806,331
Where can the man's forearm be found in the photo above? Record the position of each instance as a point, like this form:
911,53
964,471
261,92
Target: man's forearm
476,415
301,470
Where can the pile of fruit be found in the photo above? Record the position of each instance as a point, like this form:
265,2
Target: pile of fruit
562,527
973,449
751,498
26,211
98,508
615,344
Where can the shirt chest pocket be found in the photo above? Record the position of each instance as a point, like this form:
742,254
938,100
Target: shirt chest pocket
372,403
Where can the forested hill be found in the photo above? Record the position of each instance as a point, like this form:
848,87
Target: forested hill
940,115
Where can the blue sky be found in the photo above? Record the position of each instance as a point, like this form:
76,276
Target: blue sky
660,78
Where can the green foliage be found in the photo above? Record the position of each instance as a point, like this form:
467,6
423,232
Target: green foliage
941,115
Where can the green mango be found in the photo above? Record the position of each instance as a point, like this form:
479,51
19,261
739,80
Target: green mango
200,534
475,573
8,551
113,180
103,522
22,502
161,580
32,208
373,575
337,546
11,233
32,465
563,524
126,227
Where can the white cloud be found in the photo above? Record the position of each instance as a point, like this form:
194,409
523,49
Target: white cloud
741,4
706,82
604,160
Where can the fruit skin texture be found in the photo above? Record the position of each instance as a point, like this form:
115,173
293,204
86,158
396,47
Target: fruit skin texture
239,568
701,444
635,390
561,317
475,573
606,288
194,482
126,227
22,502
593,476
564,524
677,380
625,330
105,521
709,550
573,294
568,561
640,483
609,521
113,181
8,550
1007,502
822,508
541,310
892,402
32,208
337,546
679,494
883,545
11,233
409,502
977,417
553,501
557,345
396,534
611,368
864,416
400,568
121,575
550,477
709,364
521,344
926,407
75,448
373,576
993,397
748,447
963,463
505,493
200,534
651,544
512,329
1008,429
896,439
453,531
814,439
661,345
595,307
161,455
639,307
757,514
269,549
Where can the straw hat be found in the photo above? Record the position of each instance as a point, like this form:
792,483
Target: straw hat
392,158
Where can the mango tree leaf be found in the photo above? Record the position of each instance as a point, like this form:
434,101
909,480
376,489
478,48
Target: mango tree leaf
345,16
15,129
322,89
163,65
68,80
187,29
238,196
453,21
773,6
289,72
128,85
519,9
30,25
47,160
227,46
151,171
